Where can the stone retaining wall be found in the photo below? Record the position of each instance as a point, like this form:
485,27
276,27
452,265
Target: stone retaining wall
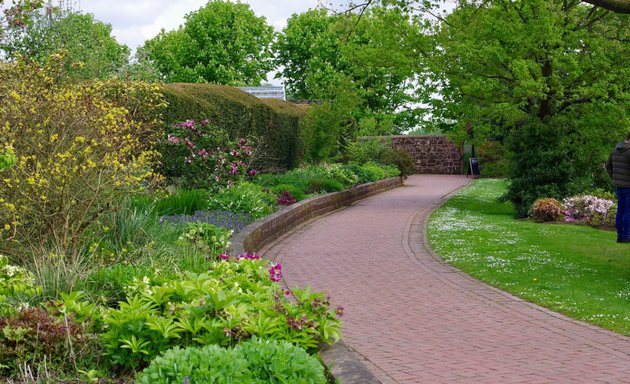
433,154
256,235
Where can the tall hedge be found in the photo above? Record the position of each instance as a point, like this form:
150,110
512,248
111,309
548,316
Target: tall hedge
273,123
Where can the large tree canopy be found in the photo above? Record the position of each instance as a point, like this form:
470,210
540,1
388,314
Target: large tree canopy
375,56
222,42
91,51
619,6
548,77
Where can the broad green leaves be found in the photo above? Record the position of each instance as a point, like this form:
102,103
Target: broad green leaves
91,51
549,78
367,64
222,42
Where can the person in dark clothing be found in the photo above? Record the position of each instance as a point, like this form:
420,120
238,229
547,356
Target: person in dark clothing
618,167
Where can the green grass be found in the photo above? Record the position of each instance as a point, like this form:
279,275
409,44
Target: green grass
575,270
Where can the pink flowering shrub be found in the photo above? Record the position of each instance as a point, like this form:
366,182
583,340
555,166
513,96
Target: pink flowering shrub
546,209
591,210
199,155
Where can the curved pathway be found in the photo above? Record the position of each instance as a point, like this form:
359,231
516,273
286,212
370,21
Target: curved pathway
413,319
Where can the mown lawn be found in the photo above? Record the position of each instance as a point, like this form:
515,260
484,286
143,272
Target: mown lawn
576,270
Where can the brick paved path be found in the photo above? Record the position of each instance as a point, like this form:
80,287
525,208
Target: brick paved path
415,320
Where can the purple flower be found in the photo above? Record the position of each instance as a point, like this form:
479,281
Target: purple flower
275,272
247,256
205,121
252,172
224,256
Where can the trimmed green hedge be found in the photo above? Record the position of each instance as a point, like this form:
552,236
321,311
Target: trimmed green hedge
273,123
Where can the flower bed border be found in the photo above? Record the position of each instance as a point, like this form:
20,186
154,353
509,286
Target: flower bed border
262,232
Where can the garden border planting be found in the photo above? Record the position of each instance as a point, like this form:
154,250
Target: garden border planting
262,232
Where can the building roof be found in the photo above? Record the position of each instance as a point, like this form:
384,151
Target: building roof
266,92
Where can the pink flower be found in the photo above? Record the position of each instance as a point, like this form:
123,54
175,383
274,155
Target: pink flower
205,121
173,139
248,256
203,153
275,272
224,256
252,172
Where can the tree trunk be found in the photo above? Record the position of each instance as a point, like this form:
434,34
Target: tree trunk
619,6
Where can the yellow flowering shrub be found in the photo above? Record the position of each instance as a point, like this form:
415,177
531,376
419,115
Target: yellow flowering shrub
76,155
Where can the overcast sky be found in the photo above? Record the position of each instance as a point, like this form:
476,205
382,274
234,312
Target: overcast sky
135,21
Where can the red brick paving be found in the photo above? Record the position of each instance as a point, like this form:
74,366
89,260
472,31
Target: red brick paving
416,320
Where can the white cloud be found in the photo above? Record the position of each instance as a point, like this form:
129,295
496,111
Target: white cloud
135,21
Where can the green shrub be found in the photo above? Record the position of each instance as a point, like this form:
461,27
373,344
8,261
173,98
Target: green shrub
341,173
493,159
546,209
244,197
280,362
273,123
371,172
545,162
251,362
77,156
232,302
367,149
399,158
210,364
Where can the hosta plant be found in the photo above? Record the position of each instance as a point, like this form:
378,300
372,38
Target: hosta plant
251,362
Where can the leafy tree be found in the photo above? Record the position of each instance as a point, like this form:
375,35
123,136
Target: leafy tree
376,56
222,42
17,15
91,51
549,78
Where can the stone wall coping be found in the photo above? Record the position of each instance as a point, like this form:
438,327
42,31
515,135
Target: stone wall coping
419,136
262,232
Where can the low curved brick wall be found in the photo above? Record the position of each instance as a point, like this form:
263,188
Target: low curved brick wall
256,235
